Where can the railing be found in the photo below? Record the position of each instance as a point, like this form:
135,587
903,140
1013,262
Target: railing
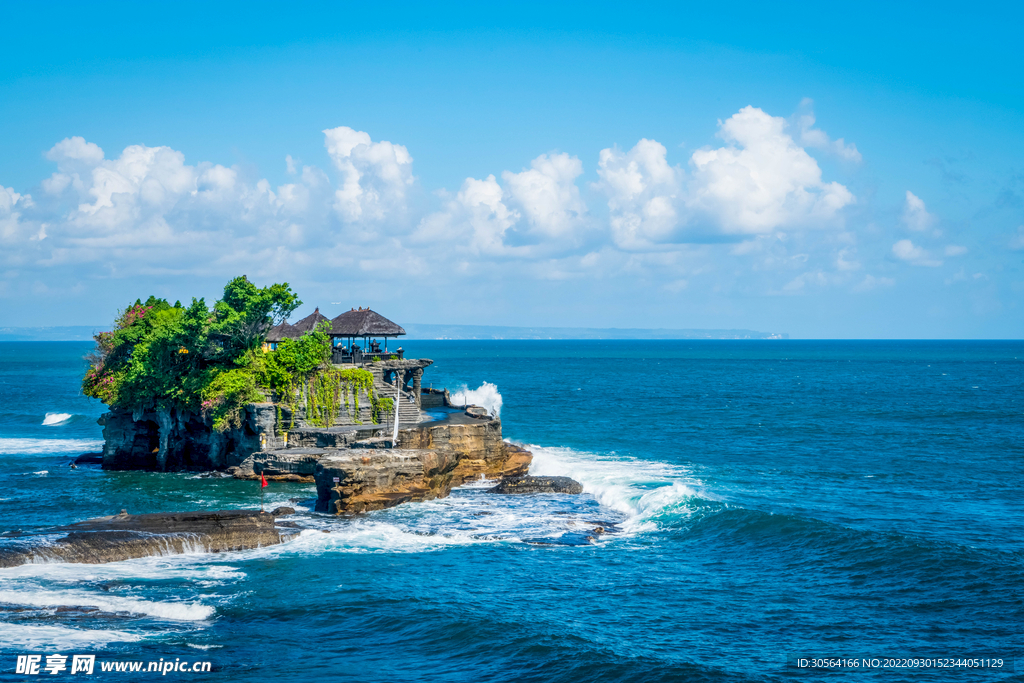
341,356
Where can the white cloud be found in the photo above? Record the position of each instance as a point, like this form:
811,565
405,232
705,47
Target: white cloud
955,250
548,196
844,262
905,250
539,212
915,216
12,229
871,282
763,180
75,159
9,199
147,210
70,152
374,175
474,221
816,138
642,191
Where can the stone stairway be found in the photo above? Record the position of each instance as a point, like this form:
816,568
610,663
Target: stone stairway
408,412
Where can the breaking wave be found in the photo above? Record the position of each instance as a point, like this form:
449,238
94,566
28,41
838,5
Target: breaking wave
486,396
36,446
53,419
627,496
174,611
648,493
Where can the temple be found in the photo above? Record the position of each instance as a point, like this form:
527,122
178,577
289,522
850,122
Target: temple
338,429
359,338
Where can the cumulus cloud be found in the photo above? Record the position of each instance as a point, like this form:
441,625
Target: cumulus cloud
905,250
915,216
816,138
375,176
475,220
762,180
11,226
538,212
642,191
150,210
955,250
548,196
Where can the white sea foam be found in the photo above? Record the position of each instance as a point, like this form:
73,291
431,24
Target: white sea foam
628,494
30,637
53,419
176,611
485,396
34,446
367,536
641,490
184,567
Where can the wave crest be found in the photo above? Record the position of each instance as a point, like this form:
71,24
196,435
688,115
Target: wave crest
486,396
36,446
174,611
646,492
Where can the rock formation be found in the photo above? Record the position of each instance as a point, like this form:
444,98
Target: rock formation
359,481
276,441
124,536
428,460
537,485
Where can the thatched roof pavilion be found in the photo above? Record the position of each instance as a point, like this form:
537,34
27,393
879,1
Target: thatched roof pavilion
279,333
284,331
365,323
359,323
309,323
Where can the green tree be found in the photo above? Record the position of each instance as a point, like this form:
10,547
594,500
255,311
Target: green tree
246,312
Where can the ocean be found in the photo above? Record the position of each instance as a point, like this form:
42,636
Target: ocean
767,501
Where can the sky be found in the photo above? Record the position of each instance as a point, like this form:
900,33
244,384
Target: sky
827,170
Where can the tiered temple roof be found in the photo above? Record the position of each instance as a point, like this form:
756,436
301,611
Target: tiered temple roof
357,323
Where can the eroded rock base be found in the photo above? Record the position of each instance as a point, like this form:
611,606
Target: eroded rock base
537,485
124,536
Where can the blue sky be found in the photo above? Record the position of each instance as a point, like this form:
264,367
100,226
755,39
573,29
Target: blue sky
850,170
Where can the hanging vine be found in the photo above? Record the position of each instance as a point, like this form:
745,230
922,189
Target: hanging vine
330,388
300,373
381,404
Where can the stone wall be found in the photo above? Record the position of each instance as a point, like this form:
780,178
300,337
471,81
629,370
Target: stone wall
476,444
176,440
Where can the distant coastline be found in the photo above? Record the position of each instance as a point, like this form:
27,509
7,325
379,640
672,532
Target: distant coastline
454,332
500,332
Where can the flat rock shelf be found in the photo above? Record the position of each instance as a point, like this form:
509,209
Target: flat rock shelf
124,536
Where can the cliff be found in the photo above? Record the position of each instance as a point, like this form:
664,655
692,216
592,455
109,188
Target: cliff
427,461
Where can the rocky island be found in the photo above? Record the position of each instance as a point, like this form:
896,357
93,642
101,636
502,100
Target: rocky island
238,389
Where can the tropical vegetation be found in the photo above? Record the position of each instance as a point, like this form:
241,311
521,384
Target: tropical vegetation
213,361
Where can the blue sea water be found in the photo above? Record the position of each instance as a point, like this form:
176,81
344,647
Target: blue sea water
767,499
